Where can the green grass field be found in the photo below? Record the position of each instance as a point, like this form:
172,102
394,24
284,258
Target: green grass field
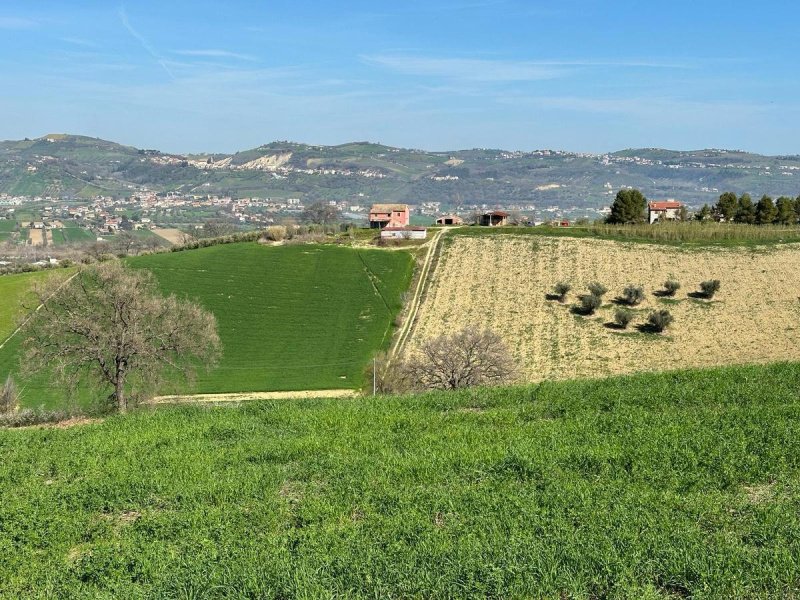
292,317
13,290
72,234
654,486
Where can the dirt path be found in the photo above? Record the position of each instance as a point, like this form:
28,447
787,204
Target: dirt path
38,308
413,306
239,397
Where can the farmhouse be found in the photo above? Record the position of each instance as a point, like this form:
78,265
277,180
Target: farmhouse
404,233
389,215
668,210
449,220
494,218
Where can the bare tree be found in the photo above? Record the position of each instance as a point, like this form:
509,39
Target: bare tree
467,358
215,228
321,213
110,328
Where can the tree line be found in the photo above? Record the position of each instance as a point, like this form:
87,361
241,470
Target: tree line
630,207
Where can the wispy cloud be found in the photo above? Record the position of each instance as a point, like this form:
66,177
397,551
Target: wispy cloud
491,70
78,42
17,23
123,16
215,53
465,68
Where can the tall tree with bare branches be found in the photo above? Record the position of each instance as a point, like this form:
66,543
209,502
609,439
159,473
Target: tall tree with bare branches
110,327
467,358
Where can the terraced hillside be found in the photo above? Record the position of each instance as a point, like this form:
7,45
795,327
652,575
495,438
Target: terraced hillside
290,318
502,282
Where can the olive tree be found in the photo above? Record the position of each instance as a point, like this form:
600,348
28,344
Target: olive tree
109,327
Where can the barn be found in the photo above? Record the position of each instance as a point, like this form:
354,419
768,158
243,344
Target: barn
449,220
494,218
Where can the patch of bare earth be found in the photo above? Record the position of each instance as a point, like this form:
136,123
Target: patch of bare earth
502,283
243,396
173,236
65,424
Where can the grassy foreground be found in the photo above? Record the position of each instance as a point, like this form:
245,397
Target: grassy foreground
654,486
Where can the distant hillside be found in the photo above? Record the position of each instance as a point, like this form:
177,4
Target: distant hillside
69,165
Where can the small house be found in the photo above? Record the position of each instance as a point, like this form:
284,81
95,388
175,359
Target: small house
389,215
494,218
668,210
449,220
404,233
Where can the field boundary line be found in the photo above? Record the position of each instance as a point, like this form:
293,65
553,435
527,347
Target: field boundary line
416,299
240,396
37,309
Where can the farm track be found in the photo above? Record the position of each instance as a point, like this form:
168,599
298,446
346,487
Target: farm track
244,396
408,323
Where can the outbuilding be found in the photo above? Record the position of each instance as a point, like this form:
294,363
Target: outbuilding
449,220
404,233
494,218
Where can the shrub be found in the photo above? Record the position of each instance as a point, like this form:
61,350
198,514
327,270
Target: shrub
671,286
659,320
9,396
562,288
597,289
709,288
588,304
276,233
623,317
633,295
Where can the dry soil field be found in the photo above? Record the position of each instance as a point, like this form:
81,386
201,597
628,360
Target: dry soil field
502,282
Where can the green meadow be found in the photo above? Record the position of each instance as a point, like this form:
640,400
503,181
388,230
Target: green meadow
72,234
290,318
664,485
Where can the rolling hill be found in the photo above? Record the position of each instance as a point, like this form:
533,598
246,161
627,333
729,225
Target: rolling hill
678,485
302,317
78,166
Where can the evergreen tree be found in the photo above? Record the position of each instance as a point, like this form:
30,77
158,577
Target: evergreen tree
703,214
629,207
785,211
746,211
765,211
727,206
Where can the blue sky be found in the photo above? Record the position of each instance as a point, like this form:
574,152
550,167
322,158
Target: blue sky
585,75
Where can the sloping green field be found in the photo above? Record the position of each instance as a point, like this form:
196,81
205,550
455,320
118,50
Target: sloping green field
654,486
290,318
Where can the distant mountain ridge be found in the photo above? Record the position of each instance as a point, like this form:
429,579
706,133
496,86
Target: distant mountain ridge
82,167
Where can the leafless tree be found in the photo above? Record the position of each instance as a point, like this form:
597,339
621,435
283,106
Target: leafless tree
109,327
467,358
126,243
216,228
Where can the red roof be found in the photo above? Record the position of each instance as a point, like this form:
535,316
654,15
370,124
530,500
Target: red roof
498,213
407,228
667,204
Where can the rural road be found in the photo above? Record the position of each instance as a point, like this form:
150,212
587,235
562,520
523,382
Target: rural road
413,306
